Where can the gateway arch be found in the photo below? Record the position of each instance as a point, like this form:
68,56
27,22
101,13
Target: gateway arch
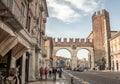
73,47
99,49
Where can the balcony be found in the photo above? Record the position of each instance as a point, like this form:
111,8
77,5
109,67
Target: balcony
11,14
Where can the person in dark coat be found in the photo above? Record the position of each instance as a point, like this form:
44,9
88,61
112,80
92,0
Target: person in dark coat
41,72
60,72
45,72
54,71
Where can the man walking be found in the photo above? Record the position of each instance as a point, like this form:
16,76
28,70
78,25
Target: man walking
41,72
54,73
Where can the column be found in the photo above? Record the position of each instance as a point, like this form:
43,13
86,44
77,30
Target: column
23,68
37,54
92,60
13,62
89,60
32,65
74,60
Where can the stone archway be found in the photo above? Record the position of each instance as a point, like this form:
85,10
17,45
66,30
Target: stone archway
55,50
90,55
73,48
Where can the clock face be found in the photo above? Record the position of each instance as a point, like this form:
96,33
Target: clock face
74,47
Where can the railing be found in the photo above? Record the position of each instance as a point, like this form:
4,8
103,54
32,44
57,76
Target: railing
14,9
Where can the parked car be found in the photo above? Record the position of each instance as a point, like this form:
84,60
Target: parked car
80,69
75,69
67,68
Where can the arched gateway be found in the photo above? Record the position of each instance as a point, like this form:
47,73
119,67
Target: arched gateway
97,43
73,47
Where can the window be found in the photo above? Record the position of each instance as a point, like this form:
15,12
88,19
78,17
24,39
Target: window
28,23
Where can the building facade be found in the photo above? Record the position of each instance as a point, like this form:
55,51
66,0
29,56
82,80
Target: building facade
49,50
115,52
22,31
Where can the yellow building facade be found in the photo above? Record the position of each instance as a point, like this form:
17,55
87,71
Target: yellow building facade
49,51
115,52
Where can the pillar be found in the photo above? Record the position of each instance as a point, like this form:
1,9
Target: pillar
32,65
92,60
13,62
74,59
89,60
23,68
37,65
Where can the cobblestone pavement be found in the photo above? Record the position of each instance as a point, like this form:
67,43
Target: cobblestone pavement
50,81
66,79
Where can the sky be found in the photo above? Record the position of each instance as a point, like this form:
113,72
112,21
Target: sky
73,18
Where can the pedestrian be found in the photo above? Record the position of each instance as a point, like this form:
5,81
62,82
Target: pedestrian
18,74
72,82
60,72
45,72
54,73
11,78
50,72
41,73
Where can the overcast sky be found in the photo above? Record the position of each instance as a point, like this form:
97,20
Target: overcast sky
72,18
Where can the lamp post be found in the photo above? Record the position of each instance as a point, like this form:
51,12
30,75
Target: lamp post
51,61
28,54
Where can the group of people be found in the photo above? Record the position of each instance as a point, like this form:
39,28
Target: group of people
13,77
43,71
51,71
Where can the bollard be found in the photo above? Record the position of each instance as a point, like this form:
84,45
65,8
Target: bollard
72,82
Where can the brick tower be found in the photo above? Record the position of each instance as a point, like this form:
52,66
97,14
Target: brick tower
101,34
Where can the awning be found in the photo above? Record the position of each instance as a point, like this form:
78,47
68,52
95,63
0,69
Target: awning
19,50
9,42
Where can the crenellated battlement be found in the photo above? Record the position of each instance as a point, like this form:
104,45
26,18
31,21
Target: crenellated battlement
102,12
72,40
68,42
